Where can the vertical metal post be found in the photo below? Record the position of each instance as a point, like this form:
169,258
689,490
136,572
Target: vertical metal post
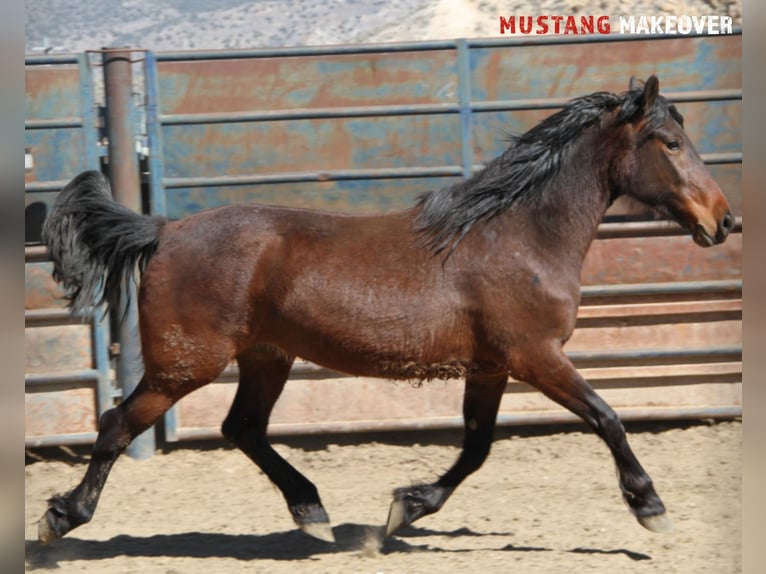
126,186
464,101
158,202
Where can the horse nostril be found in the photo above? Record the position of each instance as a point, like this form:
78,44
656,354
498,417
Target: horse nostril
725,227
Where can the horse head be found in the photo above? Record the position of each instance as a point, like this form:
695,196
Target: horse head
662,169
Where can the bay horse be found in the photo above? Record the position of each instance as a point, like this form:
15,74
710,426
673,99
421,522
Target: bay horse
478,280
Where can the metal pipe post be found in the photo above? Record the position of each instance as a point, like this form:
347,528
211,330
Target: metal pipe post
126,187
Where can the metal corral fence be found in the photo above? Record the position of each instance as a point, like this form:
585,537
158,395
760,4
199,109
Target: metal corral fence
367,128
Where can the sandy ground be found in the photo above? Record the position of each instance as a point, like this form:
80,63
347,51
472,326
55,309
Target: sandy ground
542,503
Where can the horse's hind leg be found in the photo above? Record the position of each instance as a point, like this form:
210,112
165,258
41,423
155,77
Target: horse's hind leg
117,427
263,372
557,378
480,405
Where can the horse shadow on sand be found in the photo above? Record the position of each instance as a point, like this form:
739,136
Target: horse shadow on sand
287,545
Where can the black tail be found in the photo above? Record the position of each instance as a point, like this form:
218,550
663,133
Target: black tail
96,243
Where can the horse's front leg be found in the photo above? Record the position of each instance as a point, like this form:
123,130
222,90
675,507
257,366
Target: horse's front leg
480,404
553,373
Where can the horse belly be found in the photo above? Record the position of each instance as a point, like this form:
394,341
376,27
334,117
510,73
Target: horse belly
417,344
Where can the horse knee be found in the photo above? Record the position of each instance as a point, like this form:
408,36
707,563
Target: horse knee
608,423
230,429
113,435
235,428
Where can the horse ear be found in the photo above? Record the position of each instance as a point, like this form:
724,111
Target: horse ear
635,84
651,89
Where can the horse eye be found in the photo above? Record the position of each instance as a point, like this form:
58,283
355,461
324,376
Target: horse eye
673,145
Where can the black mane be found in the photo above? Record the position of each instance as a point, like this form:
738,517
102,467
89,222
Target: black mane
521,173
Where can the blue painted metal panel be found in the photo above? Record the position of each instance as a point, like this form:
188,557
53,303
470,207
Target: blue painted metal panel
331,80
157,201
245,105
52,92
61,123
301,145
543,71
62,135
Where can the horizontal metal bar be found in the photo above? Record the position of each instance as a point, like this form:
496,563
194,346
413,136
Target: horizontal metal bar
36,254
655,356
664,228
53,123
297,51
666,376
45,186
308,113
457,422
654,227
519,104
555,103
716,158
301,369
84,376
716,95
50,59
308,176
638,315
732,287
53,318
60,439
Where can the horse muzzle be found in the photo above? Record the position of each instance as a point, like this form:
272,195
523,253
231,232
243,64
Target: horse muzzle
707,238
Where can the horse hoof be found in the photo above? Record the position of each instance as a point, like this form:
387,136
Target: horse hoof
397,513
319,530
45,533
659,523
313,520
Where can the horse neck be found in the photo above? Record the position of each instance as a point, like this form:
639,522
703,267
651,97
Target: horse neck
566,215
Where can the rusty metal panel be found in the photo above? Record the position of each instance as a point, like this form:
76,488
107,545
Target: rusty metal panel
319,85
660,260
52,92
53,95
540,70
67,412
303,145
320,145
67,383
703,72
57,153
522,74
729,178
334,80
66,348
41,291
